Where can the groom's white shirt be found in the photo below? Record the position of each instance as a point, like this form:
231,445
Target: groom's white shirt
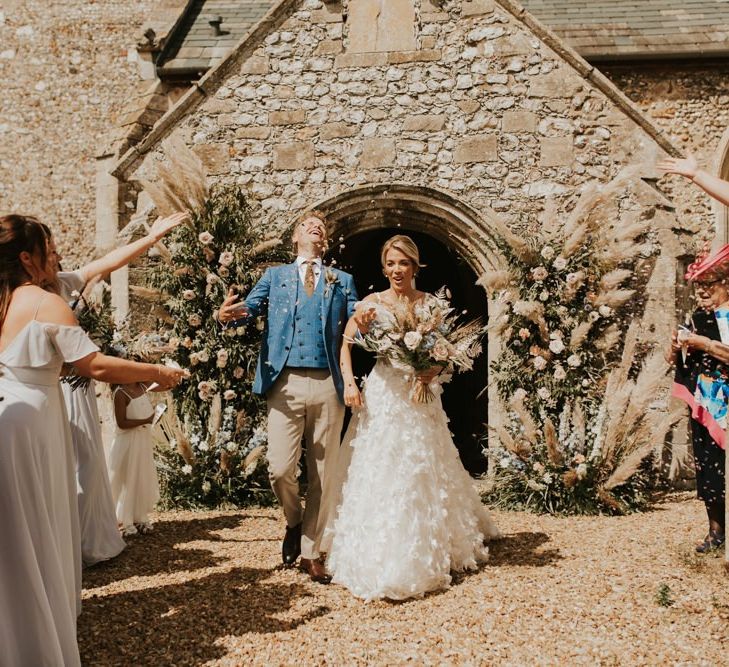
316,267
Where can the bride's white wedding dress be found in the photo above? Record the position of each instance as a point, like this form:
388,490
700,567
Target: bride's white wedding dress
407,514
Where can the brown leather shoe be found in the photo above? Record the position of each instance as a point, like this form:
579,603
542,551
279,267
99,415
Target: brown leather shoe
315,569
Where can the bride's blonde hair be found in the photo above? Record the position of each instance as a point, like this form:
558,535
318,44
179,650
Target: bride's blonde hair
406,246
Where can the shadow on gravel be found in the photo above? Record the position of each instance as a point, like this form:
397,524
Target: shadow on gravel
180,624
522,549
155,553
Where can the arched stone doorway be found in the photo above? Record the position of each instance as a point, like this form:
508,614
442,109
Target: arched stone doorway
453,245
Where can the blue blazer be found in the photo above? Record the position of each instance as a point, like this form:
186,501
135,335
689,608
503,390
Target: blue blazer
275,296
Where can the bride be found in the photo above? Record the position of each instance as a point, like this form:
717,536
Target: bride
405,513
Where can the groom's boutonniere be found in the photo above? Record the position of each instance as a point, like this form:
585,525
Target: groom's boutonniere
330,278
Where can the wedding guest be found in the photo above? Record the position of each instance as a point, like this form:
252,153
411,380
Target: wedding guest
100,538
306,306
40,555
701,355
133,473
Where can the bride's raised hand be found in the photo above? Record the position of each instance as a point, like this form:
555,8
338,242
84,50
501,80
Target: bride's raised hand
352,395
364,316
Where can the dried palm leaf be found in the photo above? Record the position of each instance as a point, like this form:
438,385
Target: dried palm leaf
181,186
498,317
519,449
579,430
250,462
613,279
609,339
493,281
579,334
614,298
552,443
215,418
610,500
265,246
521,249
531,432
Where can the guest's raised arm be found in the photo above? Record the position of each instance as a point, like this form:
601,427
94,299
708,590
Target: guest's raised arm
689,168
122,256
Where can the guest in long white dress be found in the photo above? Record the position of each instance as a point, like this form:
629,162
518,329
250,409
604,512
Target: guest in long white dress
40,555
132,470
100,538
408,514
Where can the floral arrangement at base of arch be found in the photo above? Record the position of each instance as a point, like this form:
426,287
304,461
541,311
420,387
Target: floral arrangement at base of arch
214,440
580,417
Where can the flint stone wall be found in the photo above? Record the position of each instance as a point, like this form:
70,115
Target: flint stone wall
480,108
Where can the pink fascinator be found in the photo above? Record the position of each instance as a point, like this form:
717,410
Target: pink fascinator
708,265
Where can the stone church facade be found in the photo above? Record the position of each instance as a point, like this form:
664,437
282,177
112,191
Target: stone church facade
436,118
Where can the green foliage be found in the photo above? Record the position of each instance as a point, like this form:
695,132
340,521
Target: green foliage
663,596
216,457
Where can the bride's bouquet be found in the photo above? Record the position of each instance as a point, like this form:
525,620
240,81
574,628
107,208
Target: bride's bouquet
422,336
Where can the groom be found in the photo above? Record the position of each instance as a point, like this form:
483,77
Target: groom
307,306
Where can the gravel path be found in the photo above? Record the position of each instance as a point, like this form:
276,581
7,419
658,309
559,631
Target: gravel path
206,588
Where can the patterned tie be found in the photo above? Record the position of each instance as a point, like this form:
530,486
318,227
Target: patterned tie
309,277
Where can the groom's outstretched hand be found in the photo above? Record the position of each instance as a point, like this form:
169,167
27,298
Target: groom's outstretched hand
232,308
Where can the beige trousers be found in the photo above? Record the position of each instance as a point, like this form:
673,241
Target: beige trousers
302,404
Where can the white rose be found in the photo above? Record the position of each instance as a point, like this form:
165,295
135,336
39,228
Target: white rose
229,395
547,252
194,359
205,238
520,394
187,469
187,342
194,320
540,363
581,471
412,339
560,263
543,393
559,373
188,295
544,295
605,311
238,373
538,467
574,360
222,358
440,351
223,272
556,346
593,316
226,258
539,273
204,356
